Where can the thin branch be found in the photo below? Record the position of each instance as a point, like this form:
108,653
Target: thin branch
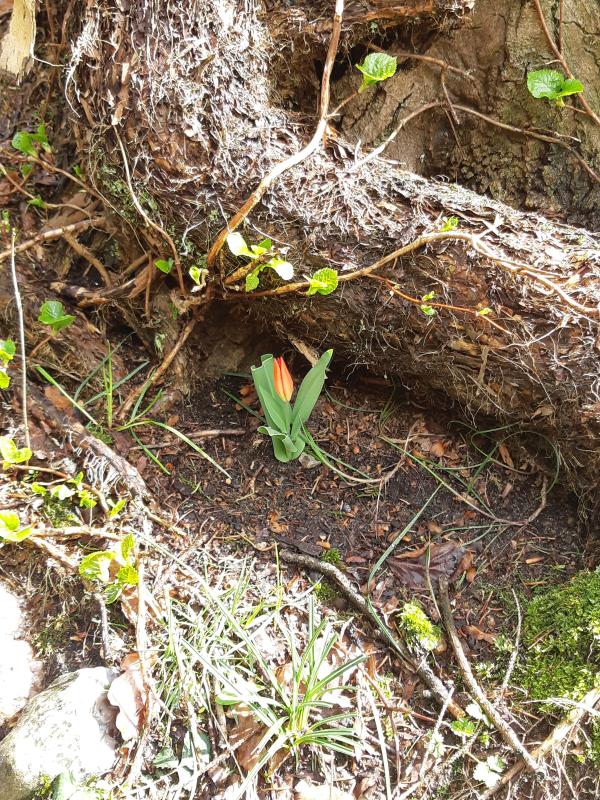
503,728
55,233
21,320
515,653
557,52
558,734
87,254
297,158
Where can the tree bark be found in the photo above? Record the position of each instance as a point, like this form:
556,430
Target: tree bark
201,102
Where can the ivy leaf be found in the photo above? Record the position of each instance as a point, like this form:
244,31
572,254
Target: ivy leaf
552,84
261,248
4,379
127,547
7,350
197,273
237,245
23,142
283,268
164,265
375,68
11,454
9,527
483,312
53,314
324,281
37,202
25,169
252,282
428,296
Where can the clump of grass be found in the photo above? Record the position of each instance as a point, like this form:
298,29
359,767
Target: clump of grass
561,634
419,631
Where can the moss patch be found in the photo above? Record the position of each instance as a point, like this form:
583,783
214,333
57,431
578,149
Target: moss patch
419,631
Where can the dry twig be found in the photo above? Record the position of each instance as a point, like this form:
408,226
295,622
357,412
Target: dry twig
503,728
21,319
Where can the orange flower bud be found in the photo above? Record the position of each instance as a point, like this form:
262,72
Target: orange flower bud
284,385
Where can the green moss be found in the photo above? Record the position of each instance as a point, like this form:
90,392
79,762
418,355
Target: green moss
419,631
561,634
325,592
332,556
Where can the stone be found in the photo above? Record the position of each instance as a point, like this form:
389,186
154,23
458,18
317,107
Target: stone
20,671
66,728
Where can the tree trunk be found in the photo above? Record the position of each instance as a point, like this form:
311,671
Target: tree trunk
190,105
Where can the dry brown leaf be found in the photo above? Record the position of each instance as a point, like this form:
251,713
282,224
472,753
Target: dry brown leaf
437,449
505,456
477,633
130,694
444,562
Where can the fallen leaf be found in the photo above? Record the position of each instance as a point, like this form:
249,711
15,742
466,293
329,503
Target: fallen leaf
437,449
444,561
505,456
477,633
130,694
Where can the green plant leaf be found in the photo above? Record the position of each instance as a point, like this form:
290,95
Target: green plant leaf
23,142
197,274
428,296
4,379
128,576
463,727
283,268
309,392
552,84
127,547
375,68
277,412
489,771
53,314
323,281
10,527
11,454
571,86
429,311
237,245
483,312
96,566
37,202
450,224
117,507
164,265
25,169
252,282
261,248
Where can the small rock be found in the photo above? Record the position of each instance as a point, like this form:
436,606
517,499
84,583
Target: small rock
307,461
20,671
66,728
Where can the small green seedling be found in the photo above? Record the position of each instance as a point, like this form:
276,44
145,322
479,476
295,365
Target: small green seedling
323,281
30,143
37,202
428,310
7,353
199,276
265,256
285,422
420,633
52,313
73,488
164,265
449,224
553,85
116,568
464,728
10,527
375,68
11,454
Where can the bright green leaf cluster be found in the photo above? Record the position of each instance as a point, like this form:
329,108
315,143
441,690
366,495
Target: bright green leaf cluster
52,313
64,491
449,224
428,310
11,454
552,84
29,143
115,568
284,421
257,252
198,275
419,631
7,353
323,281
375,68
10,527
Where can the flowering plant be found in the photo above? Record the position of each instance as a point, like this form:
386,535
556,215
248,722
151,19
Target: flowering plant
275,387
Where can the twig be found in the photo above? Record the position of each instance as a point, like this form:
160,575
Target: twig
73,532
561,58
53,552
150,222
560,26
106,648
515,653
55,233
87,254
560,732
295,159
503,728
21,320
437,688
